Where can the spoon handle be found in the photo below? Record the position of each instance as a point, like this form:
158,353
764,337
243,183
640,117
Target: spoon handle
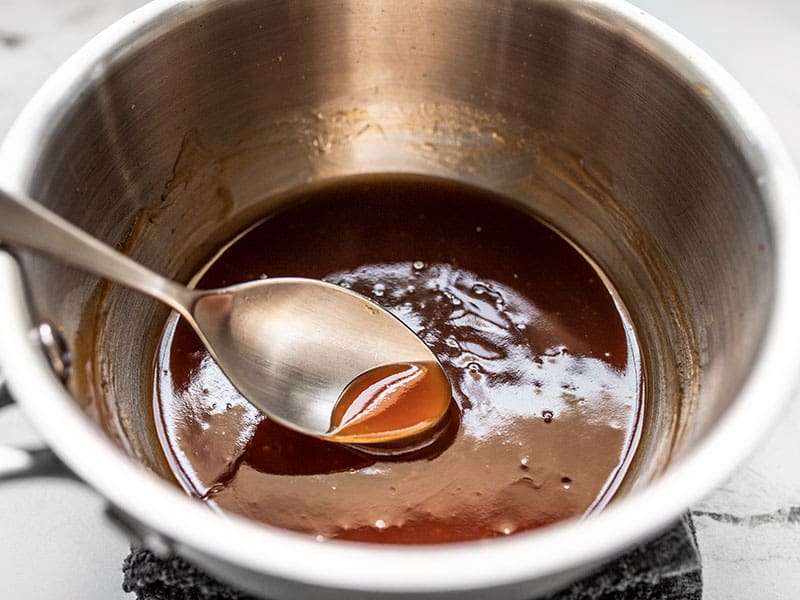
24,222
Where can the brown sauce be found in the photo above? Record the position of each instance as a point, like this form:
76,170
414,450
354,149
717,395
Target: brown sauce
400,399
544,369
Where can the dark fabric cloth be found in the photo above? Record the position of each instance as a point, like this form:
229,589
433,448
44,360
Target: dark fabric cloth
154,578
666,568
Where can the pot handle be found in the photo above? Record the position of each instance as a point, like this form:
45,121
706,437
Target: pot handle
23,463
26,463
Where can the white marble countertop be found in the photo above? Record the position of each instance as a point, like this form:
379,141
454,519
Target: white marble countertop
54,541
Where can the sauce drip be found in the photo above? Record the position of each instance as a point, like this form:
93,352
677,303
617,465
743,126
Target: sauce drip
543,367
401,399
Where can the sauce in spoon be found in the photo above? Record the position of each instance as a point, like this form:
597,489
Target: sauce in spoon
389,402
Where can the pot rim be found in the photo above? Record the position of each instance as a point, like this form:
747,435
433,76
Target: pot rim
377,568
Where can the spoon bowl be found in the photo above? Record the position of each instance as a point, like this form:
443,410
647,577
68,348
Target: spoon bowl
291,346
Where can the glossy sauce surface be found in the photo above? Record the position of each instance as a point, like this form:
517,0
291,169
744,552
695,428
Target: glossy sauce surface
397,399
544,368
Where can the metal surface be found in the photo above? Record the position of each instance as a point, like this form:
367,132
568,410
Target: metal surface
28,224
611,126
56,350
293,345
290,346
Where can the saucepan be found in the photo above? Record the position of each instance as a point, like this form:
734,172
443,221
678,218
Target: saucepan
183,122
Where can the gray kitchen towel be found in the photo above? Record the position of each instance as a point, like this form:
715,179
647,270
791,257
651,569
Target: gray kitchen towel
666,568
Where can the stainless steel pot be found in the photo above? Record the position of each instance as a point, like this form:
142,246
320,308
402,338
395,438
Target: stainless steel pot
187,120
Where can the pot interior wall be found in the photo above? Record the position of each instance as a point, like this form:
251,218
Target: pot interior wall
196,130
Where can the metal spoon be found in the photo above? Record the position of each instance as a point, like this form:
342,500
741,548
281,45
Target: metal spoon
290,345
